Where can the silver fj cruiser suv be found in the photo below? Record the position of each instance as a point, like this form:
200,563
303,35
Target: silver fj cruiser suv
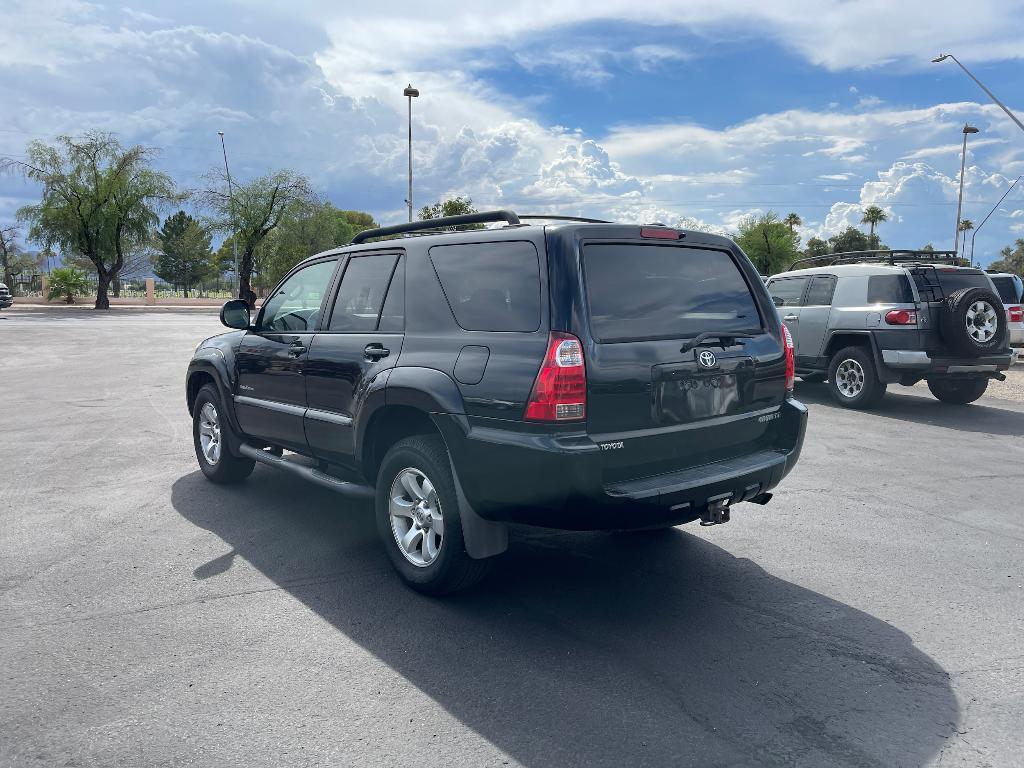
867,319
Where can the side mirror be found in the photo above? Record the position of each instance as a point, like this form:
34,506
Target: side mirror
778,302
235,314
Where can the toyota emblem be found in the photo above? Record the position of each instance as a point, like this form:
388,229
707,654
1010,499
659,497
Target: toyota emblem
707,359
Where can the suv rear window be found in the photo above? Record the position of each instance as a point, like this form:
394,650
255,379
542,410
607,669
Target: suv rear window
889,289
651,292
491,286
1006,287
951,280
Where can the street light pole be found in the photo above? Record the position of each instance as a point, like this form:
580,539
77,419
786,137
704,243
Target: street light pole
411,93
231,205
960,200
944,56
994,207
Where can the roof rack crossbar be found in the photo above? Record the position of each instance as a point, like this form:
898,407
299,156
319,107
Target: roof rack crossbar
564,218
895,256
484,217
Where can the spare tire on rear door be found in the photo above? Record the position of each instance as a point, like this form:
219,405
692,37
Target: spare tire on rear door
973,322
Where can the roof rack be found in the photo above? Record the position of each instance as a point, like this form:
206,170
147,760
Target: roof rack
565,218
445,221
898,256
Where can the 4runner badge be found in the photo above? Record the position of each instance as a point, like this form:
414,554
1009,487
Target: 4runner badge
707,359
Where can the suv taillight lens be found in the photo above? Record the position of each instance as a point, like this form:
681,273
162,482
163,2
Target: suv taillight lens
1015,314
901,317
790,360
560,391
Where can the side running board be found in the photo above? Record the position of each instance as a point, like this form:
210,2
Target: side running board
307,473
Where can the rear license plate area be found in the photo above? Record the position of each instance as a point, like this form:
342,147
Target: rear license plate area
681,395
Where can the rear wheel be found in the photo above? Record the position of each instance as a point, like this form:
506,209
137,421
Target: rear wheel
418,518
208,432
958,391
853,379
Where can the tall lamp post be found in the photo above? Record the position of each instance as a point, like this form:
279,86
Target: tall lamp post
974,234
231,205
968,129
942,57
411,93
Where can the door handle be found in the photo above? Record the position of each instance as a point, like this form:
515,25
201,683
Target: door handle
297,348
790,318
376,351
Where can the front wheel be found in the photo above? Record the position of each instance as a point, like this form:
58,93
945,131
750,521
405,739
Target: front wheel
418,518
208,432
853,379
958,392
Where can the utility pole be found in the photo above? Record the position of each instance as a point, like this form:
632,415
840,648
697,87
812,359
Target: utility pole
231,204
411,93
960,200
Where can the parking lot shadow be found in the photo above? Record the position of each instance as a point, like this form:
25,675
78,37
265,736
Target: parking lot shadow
900,404
598,649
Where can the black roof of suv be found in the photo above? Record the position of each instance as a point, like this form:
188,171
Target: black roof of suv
578,374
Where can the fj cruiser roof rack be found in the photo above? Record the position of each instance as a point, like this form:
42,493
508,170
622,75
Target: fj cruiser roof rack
886,257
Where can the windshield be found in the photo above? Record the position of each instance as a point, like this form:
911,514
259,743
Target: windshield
640,291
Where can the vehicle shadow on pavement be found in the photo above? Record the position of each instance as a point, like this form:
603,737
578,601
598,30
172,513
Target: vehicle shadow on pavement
598,649
976,417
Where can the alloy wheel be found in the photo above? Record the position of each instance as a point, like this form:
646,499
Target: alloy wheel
209,433
850,378
416,518
982,322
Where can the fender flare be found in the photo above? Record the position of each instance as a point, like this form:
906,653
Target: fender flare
212,362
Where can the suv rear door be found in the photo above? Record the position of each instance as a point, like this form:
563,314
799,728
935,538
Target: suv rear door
646,305
787,294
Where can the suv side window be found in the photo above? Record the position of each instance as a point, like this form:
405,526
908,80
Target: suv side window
820,292
357,308
889,289
491,286
789,289
392,317
295,305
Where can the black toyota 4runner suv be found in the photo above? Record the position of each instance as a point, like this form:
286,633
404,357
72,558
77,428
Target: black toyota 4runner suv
580,375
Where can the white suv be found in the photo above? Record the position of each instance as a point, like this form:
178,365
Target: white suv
1011,290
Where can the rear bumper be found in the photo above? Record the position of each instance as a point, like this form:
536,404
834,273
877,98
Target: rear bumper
924,365
6,302
1017,335
556,481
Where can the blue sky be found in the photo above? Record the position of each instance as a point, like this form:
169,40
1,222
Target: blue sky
689,113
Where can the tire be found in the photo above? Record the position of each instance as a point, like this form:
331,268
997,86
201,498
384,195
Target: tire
957,391
853,379
973,322
416,477
811,378
209,423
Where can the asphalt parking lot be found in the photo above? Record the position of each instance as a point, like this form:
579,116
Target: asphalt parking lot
871,615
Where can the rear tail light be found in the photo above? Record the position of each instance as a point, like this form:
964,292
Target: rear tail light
790,360
560,391
1015,314
901,317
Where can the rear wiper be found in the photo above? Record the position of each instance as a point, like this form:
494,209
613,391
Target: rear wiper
725,339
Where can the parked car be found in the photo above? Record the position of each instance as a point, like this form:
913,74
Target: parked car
6,299
865,320
575,375
1011,290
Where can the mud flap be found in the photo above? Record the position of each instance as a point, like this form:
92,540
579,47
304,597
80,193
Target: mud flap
483,538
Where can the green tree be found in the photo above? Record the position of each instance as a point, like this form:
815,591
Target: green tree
816,247
850,239
792,221
873,216
66,282
8,253
254,210
351,223
928,247
98,200
184,255
300,234
1011,259
768,242
966,225
455,206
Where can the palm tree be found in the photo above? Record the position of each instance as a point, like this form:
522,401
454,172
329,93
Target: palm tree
792,221
873,215
966,225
